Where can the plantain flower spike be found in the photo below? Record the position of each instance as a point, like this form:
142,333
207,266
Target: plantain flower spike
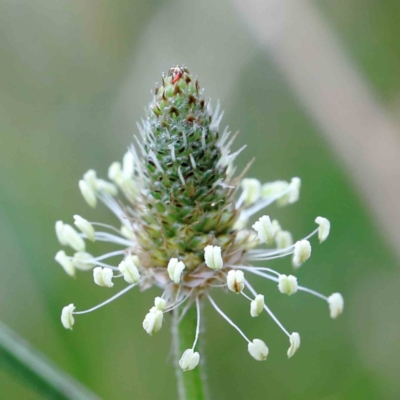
186,222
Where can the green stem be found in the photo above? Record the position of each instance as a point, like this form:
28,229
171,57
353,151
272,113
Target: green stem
20,358
190,383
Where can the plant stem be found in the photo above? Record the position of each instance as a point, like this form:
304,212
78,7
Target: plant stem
190,383
17,356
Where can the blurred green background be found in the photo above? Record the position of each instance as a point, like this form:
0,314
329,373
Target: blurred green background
74,78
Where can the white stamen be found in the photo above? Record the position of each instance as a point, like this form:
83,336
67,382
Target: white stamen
258,350
264,229
283,239
213,257
103,277
223,315
189,360
175,269
83,261
301,253
192,161
294,344
65,262
324,228
252,190
129,269
67,318
287,284
85,227
257,305
88,193
60,236
336,304
235,280
268,310
153,320
111,299
72,238
160,303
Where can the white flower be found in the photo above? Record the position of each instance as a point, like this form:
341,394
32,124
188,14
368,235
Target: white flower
258,349
212,257
85,227
153,321
88,193
235,280
336,304
283,239
83,261
302,252
65,262
67,319
257,305
324,228
294,344
264,229
103,277
189,360
287,284
175,269
129,270
251,190
72,238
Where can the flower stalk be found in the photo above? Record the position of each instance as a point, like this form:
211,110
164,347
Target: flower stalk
191,385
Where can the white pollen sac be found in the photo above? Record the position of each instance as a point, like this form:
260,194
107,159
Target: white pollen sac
175,269
274,188
103,277
235,280
301,253
336,304
153,320
85,227
276,227
324,228
283,239
160,303
72,238
88,193
83,261
67,319
129,270
60,237
287,284
294,344
257,305
90,178
65,262
264,229
115,173
106,187
189,360
258,350
251,190
294,190
213,257
128,165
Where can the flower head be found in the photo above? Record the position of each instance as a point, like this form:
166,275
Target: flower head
184,220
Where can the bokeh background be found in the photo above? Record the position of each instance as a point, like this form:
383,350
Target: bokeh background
314,89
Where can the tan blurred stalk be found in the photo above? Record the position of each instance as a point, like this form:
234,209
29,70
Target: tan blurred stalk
334,93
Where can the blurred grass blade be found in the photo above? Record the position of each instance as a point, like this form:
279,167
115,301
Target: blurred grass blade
18,357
